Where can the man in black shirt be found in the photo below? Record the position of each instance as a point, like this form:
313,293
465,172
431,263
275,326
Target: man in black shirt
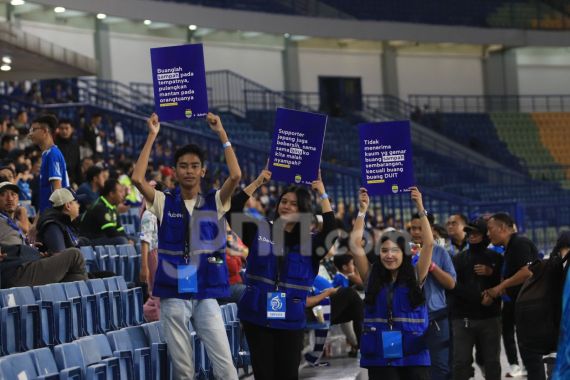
69,147
519,252
476,316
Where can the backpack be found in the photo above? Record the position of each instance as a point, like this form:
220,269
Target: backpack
538,307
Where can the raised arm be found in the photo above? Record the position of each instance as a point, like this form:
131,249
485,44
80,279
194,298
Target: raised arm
424,262
355,242
232,181
138,176
261,180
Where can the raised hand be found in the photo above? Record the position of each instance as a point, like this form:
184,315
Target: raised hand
153,124
417,198
318,185
263,177
214,122
363,200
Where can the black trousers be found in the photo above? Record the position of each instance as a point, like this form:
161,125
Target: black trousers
486,335
508,318
275,354
346,306
399,373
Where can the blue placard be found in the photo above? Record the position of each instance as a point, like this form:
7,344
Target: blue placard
179,79
386,157
392,344
297,146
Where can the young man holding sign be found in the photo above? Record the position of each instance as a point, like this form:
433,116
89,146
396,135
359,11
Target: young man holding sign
192,269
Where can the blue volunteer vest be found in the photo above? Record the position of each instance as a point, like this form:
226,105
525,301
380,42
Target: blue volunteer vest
206,248
292,274
412,322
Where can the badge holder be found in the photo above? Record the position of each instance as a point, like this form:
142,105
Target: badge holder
187,278
392,344
276,305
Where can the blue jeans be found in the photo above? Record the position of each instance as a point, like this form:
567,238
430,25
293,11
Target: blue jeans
437,338
206,317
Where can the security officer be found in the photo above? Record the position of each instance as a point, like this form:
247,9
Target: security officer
100,223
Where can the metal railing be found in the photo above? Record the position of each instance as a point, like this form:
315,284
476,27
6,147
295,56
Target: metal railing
490,103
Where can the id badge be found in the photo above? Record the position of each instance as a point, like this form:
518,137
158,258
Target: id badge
276,308
392,344
187,279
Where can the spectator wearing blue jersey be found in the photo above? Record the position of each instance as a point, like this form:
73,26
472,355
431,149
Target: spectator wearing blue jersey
53,171
347,274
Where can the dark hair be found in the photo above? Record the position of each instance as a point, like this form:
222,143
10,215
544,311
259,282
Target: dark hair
341,260
441,231
381,277
65,121
48,120
110,186
92,172
59,208
190,149
7,138
504,218
430,217
462,217
303,199
562,242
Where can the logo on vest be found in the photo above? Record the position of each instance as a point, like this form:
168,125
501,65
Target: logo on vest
276,303
265,240
175,214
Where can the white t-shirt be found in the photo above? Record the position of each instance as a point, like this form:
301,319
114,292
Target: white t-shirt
157,208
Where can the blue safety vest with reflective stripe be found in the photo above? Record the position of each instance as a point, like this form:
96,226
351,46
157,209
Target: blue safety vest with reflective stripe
412,322
291,274
206,248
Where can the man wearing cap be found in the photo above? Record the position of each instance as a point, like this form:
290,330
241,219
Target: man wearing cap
23,265
476,317
56,230
53,171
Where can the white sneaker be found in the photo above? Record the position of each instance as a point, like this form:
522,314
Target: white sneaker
514,371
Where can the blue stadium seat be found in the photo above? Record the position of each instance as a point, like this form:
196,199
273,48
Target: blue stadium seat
98,351
69,355
21,366
67,326
132,261
202,365
22,314
46,365
131,344
119,262
90,258
132,299
111,300
233,332
105,262
100,306
88,306
159,352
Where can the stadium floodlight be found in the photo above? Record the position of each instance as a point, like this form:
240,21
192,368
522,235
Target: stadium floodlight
5,67
59,9
147,22
7,60
17,2
192,27
101,16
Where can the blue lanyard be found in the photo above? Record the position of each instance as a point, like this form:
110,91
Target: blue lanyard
72,236
13,225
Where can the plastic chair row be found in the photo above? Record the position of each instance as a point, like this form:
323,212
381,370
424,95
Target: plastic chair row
58,313
130,353
120,259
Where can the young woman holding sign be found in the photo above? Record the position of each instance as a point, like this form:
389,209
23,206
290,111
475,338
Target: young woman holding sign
282,263
395,314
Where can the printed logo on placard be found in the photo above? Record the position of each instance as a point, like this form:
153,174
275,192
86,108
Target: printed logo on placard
276,303
188,113
395,189
298,178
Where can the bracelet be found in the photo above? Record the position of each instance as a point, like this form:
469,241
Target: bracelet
424,213
227,144
432,267
361,214
324,196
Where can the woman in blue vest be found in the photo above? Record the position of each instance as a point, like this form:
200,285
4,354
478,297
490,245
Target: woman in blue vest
395,314
282,263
